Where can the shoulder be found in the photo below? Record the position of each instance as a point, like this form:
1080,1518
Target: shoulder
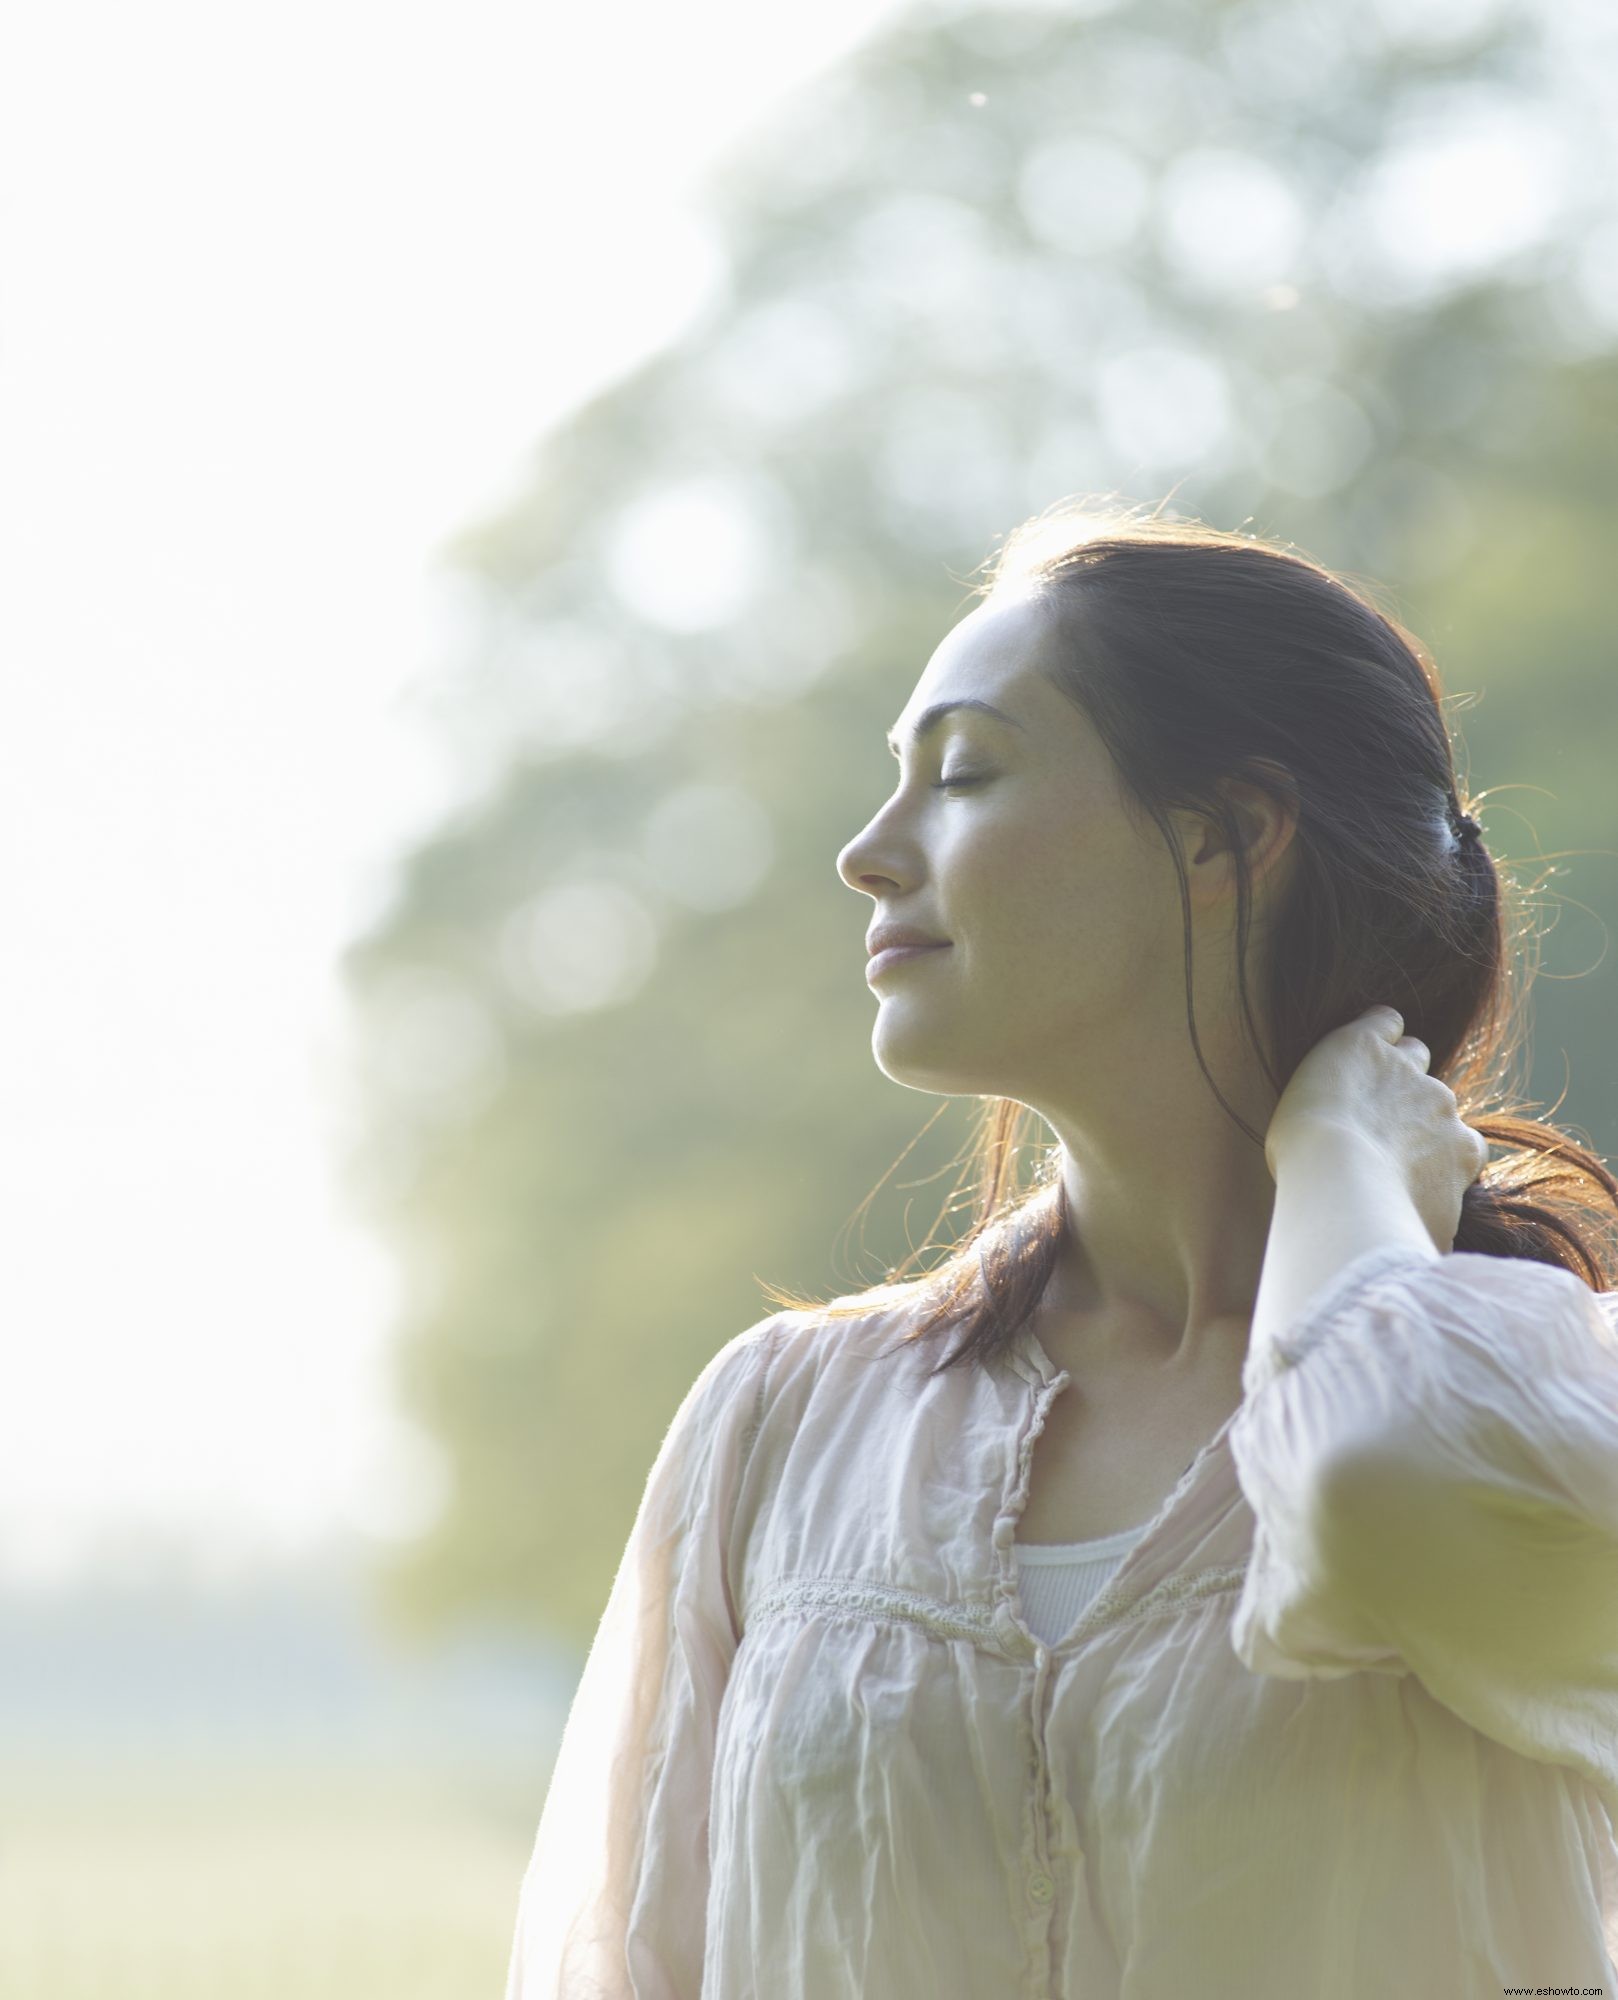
792,1359
821,1339
857,1361
774,1351
794,1384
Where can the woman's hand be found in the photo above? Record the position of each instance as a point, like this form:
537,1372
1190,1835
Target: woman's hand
1368,1081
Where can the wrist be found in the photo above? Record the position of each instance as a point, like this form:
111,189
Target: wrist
1340,1190
1328,1151
1337,1195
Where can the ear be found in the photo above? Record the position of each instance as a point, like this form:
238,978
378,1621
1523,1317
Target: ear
1268,807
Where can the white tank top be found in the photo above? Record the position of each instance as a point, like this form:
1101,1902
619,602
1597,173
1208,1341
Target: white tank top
1057,1580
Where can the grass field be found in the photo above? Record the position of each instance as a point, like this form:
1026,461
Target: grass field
302,1885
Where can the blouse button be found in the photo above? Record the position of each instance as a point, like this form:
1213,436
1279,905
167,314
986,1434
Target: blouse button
1041,1888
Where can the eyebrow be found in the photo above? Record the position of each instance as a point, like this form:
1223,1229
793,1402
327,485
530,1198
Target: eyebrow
930,718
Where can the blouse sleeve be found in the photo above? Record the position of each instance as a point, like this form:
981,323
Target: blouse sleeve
1431,1456
614,1900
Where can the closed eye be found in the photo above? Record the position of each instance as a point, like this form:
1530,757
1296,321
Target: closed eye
960,779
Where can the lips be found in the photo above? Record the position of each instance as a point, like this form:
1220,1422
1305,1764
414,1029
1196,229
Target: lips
901,954
889,937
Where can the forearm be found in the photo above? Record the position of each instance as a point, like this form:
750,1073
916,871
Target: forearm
1335,1198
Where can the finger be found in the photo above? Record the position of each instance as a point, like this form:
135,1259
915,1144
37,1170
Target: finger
1391,1014
1417,1048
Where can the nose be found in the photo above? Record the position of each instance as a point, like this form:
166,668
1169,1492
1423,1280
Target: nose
868,863
853,867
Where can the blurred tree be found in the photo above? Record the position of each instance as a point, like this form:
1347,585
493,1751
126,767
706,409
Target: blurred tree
1344,276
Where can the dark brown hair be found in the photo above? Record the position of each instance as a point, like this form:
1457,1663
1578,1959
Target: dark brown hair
1201,656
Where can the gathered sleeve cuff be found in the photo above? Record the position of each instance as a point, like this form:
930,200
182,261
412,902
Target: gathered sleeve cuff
613,1903
1431,1456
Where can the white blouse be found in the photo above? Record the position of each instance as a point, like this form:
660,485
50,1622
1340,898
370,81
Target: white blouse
1342,1723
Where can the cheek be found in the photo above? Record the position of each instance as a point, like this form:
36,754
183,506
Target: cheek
1004,846
1028,865
1075,927
1028,869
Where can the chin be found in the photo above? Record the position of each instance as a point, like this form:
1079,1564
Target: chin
910,1062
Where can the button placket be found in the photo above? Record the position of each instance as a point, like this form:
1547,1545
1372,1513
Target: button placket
1040,1887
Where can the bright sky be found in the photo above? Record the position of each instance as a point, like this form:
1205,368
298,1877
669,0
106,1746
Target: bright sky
289,291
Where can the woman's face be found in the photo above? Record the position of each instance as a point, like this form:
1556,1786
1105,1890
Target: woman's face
1010,840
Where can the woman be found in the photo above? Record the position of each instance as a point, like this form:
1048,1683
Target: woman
933,1669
